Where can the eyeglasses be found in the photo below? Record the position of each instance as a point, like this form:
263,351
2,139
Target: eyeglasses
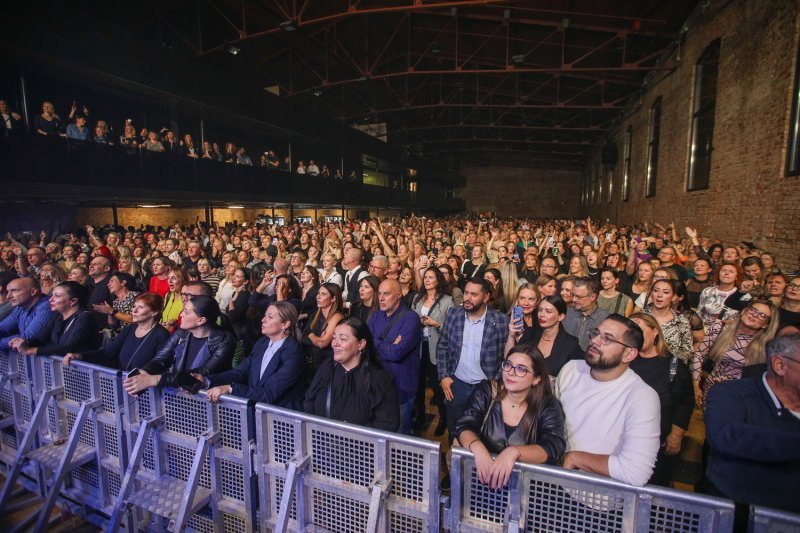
580,296
758,314
606,339
793,287
789,359
519,370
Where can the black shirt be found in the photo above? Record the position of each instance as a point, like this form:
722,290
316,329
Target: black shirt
676,393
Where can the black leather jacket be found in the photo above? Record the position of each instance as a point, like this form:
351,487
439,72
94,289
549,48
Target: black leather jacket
548,431
169,361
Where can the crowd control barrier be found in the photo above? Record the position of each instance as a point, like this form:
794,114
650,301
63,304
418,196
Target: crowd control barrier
170,460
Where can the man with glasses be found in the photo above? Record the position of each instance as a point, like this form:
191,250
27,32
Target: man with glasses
753,429
789,312
549,267
667,257
36,260
612,416
379,266
584,315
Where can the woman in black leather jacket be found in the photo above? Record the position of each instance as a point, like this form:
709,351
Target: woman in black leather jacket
516,419
199,347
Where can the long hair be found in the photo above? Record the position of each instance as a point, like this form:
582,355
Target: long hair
441,286
336,295
497,295
754,352
369,358
660,344
584,266
537,393
510,277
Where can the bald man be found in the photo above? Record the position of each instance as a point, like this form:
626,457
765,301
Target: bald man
355,273
30,318
397,334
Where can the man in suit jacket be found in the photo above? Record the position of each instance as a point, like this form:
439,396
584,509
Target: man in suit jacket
470,348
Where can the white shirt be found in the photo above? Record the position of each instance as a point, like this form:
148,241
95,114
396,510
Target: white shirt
619,418
268,353
469,368
348,275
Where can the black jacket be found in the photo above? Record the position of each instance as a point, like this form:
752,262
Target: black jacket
123,353
565,348
548,431
169,361
81,334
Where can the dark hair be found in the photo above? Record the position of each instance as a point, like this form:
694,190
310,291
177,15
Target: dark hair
683,294
336,294
634,336
369,359
77,291
295,291
537,394
614,272
453,279
314,274
442,286
192,272
557,302
714,247
125,278
486,287
205,288
586,282
207,308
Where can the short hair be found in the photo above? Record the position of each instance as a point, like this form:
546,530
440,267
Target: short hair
152,300
634,336
125,278
587,283
205,288
77,291
382,259
486,287
788,345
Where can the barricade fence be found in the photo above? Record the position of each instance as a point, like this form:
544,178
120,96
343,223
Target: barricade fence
170,460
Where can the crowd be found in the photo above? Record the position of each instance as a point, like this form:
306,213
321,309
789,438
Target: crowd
76,131
568,342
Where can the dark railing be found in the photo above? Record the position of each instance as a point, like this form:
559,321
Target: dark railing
47,169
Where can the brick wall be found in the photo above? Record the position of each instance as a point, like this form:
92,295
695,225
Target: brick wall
522,191
749,197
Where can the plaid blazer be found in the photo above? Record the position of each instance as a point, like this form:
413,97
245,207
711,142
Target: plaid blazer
451,337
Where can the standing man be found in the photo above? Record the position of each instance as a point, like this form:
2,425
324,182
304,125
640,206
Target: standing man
397,334
584,315
470,348
355,273
100,273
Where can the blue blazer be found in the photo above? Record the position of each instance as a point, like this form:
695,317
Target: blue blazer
283,380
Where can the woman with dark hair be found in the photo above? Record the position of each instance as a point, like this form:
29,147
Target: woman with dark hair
549,336
318,332
497,299
73,328
367,301
352,386
527,300
134,347
431,303
517,418
310,282
121,286
273,372
452,283
200,347
407,285
674,326
238,308
609,298
682,307
670,378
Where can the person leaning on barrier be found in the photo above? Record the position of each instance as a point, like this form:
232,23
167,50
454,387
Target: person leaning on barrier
612,415
273,372
135,346
199,347
5,304
73,324
517,418
31,318
352,386
753,428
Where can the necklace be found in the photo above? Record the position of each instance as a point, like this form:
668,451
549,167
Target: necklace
548,339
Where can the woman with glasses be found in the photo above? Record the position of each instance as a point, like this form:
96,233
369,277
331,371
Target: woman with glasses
515,419
121,286
734,346
789,312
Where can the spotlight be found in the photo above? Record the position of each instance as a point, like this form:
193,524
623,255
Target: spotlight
436,49
317,93
518,59
289,25
232,50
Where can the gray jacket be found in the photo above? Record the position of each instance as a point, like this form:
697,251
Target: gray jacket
437,313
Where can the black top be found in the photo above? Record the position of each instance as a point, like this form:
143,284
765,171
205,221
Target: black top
314,353
366,397
127,351
309,304
75,334
787,317
360,311
565,348
674,391
99,294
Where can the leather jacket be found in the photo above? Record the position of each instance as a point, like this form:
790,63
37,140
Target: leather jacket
216,356
484,417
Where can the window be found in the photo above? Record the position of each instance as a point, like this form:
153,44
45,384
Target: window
705,102
626,165
653,136
793,153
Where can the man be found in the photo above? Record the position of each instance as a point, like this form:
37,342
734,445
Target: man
470,348
753,429
77,132
36,260
549,267
12,125
584,315
194,252
379,266
612,416
354,273
100,273
397,334
666,255
30,318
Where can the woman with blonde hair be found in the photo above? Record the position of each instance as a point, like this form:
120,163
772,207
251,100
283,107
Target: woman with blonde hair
510,277
578,266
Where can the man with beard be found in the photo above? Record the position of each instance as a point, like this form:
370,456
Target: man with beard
612,415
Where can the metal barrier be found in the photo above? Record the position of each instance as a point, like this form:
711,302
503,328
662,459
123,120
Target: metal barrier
545,498
766,520
16,403
340,477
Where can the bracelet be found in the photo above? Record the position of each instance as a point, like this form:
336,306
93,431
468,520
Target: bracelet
471,443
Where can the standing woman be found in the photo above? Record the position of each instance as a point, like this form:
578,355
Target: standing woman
674,326
309,281
407,289
136,346
47,124
452,284
318,332
670,378
207,275
546,285
225,291
528,300
329,274
643,281
367,298
352,386
610,298
237,311
431,304
578,266
160,267
555,344
497,299
173,304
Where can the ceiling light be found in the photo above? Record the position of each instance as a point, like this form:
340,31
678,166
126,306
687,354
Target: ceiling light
317,93
235,207
147,205
518,59
232,50
436,49
289,25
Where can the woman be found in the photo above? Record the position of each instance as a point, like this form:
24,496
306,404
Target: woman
546,285
752,285
407,289
49,276
136,346
352,386
120,285
199,347
528,300
643,281
79,275
73,328
497,299
671,379
660,274
516,418
309,281
578,266
296,263
278,381
152,143
555,344
238,307
789,312
674,326
329,274
318,332
775,285
225,291
431,304
770,263
173,305
610,298
593,261
68,258
128,265
734,346
367,298
510,280
567,285
452,284
47,124
160,267
712,300
207,275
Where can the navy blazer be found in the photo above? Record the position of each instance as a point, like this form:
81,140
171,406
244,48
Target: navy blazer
282,382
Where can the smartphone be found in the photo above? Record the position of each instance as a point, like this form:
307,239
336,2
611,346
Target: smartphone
517,313
515,257
550,242
134,372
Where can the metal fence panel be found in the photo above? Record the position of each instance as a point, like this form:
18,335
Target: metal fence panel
766,520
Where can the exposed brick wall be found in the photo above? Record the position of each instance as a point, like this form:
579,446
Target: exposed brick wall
749,197
522,191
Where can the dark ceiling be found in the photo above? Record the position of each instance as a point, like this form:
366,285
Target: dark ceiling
462,82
